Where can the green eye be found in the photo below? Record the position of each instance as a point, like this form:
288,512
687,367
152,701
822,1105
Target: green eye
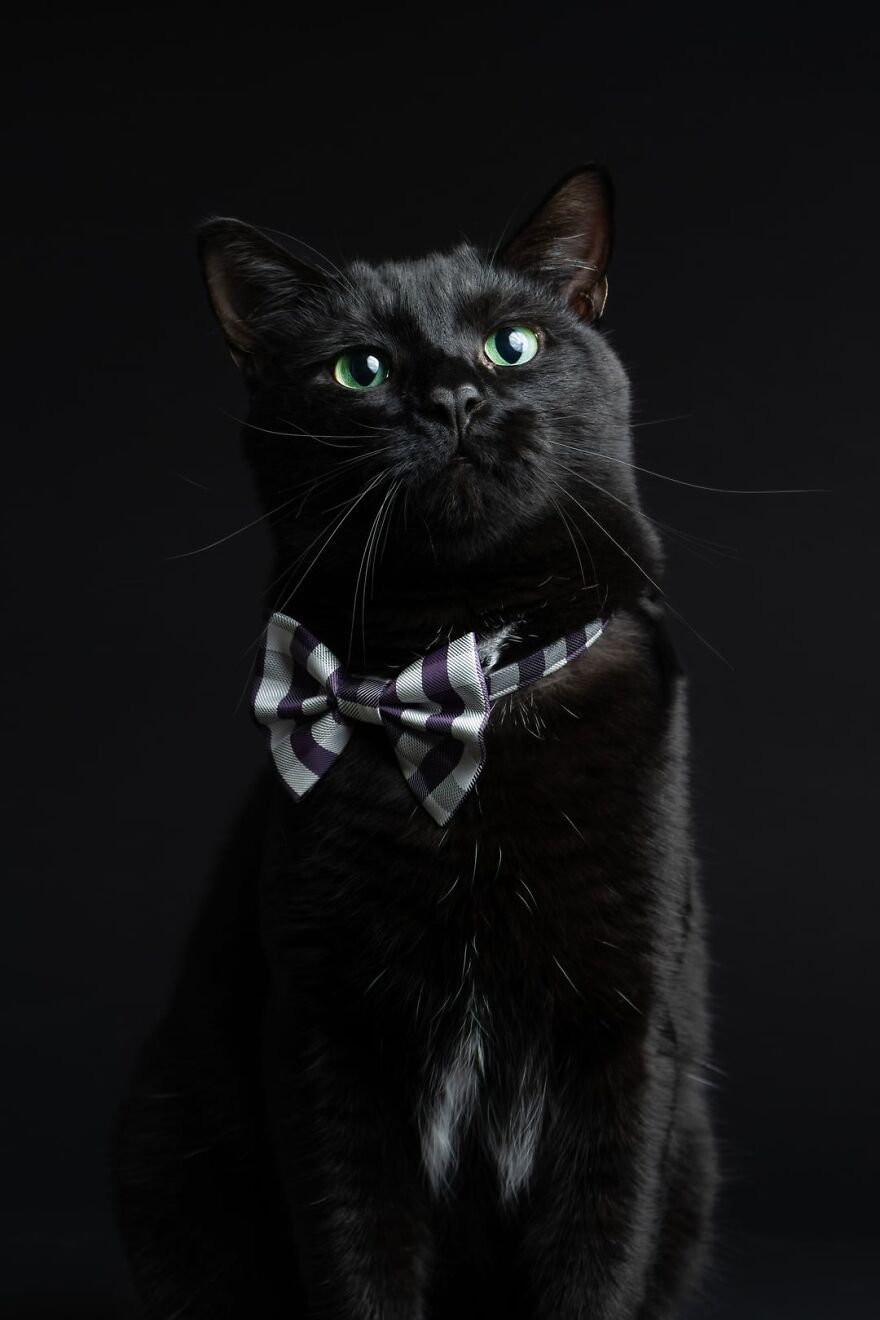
360,370
511,346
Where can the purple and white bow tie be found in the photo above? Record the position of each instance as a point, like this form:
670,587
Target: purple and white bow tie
435,711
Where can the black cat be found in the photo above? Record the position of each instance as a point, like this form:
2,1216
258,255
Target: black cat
416,1069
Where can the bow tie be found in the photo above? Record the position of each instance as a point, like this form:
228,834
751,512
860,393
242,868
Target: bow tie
434,711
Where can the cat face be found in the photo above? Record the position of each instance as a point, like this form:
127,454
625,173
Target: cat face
460,402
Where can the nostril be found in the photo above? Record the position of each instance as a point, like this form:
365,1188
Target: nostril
471,400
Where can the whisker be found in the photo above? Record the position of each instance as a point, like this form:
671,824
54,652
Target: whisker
340,470
662,421
339,277
323,439
387,430
506,226
675,532
363,568
577,552
645,575
191,481
298,431
342,519
288,573
188,554
694,485
579,451
385,529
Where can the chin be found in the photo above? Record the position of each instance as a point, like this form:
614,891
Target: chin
467,515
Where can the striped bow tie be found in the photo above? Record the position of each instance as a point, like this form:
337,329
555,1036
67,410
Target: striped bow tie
435,711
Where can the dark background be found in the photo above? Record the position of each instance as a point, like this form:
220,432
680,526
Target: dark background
745,165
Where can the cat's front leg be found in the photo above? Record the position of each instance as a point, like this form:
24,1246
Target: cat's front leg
349,1162
595,1197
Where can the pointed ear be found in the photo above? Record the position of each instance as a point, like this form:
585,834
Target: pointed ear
247,277
566,242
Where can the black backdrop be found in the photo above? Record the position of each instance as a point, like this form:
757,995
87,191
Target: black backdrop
744,164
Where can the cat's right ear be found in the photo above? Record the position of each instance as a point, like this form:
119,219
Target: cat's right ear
566,242
248,277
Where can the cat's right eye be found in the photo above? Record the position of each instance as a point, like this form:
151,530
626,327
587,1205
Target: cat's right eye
361,369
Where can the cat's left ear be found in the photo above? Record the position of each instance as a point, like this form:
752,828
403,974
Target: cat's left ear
567,241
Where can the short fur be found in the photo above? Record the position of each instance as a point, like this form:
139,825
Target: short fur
412,1072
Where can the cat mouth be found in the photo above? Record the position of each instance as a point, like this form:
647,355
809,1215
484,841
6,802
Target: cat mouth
463,471
467,456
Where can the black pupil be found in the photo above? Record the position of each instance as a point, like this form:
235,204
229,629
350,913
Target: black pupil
509,345
364,368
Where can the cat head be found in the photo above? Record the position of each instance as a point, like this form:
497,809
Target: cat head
464,405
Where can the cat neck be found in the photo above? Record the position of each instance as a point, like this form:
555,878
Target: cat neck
391,624
523,594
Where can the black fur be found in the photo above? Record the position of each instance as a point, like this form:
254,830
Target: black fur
357,972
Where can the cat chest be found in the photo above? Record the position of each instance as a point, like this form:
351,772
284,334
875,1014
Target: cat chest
538,949
464,1098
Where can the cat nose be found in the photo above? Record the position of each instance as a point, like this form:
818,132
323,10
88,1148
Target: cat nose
456,403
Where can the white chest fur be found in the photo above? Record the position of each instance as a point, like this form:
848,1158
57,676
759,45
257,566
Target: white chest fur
455,1086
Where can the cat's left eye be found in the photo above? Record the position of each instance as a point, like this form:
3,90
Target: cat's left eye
360,370
511,346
